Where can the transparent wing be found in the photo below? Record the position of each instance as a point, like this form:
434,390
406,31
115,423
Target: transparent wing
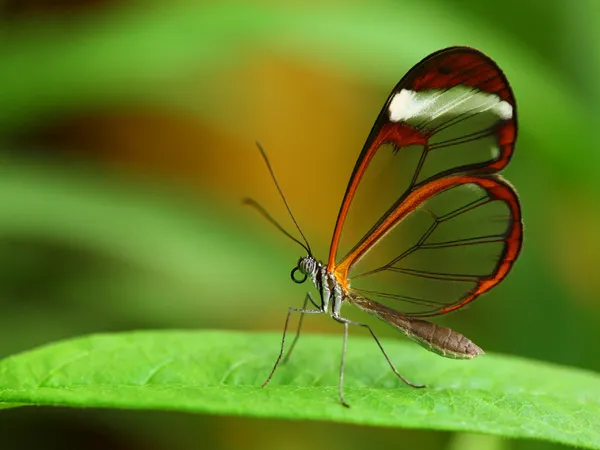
445,244
452,113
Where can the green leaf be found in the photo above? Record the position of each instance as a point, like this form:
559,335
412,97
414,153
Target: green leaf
221,372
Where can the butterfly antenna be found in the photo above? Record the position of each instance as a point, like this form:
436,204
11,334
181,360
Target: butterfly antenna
261,210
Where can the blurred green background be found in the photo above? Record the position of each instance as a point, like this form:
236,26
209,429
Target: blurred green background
127,134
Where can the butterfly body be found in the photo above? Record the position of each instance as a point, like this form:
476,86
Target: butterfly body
331,292
441,340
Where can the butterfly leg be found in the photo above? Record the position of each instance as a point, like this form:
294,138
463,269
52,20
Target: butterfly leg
302,311
342,364
347,322
306,300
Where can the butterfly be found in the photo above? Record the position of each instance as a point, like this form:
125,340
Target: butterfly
446,130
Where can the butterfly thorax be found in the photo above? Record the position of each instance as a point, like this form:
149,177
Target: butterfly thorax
330,290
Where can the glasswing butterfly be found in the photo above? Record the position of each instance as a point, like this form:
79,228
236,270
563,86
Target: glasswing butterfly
446,227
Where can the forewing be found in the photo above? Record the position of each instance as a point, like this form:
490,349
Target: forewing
452,113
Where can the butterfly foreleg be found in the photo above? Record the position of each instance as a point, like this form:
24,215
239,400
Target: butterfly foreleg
291,310
306,300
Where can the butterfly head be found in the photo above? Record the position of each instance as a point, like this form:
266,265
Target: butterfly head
307,266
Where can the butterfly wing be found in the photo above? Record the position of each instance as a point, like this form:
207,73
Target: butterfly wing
445,130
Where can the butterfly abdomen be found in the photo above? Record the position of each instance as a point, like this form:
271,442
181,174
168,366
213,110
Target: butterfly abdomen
438,339
441,340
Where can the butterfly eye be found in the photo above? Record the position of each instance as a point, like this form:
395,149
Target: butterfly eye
307,265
